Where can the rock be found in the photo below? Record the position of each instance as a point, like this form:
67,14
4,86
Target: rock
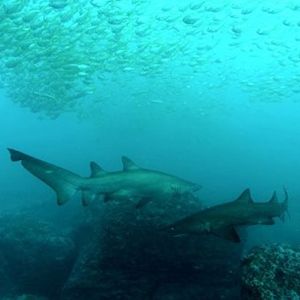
271,272
126,255
37,258
24,297
6,285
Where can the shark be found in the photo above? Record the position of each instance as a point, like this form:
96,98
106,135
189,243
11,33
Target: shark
132,183
221,220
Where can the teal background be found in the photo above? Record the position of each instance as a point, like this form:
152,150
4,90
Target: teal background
208,91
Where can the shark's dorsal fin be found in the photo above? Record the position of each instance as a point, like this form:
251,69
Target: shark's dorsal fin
274,198
128,164
96,170
245,197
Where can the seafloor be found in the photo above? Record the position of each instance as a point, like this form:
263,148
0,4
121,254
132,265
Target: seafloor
114,251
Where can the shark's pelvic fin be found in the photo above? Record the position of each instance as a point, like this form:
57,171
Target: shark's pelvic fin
63,182
245,197
87,197
96,170
128,164
228,233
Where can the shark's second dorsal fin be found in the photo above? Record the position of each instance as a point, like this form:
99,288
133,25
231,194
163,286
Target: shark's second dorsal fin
245,197
128,164
96,170
274,198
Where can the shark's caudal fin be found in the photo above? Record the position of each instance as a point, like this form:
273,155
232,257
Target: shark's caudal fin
284,204
64,182
274,198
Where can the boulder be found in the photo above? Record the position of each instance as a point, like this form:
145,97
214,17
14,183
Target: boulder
36,258
125,254
271,272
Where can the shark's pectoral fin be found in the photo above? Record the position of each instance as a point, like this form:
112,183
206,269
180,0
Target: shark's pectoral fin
228,233
142,202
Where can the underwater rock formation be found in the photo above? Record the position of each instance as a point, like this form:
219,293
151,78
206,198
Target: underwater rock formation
35,258
115,251
24,297
271,272
126,255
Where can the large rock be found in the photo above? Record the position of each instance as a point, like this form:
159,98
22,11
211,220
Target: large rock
271,272
24,297
127,255
36,258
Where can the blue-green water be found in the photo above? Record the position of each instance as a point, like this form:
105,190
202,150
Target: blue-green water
205,90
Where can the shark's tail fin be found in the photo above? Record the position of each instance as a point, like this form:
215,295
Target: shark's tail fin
64,182
285,205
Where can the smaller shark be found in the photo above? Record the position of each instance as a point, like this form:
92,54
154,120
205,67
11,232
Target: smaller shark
132,183
221,220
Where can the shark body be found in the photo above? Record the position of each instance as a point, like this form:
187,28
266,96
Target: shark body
221,220
132,183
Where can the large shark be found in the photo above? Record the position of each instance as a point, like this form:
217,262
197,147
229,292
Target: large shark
133,183
221,220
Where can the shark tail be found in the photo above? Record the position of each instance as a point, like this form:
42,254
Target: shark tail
63,182
285,205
